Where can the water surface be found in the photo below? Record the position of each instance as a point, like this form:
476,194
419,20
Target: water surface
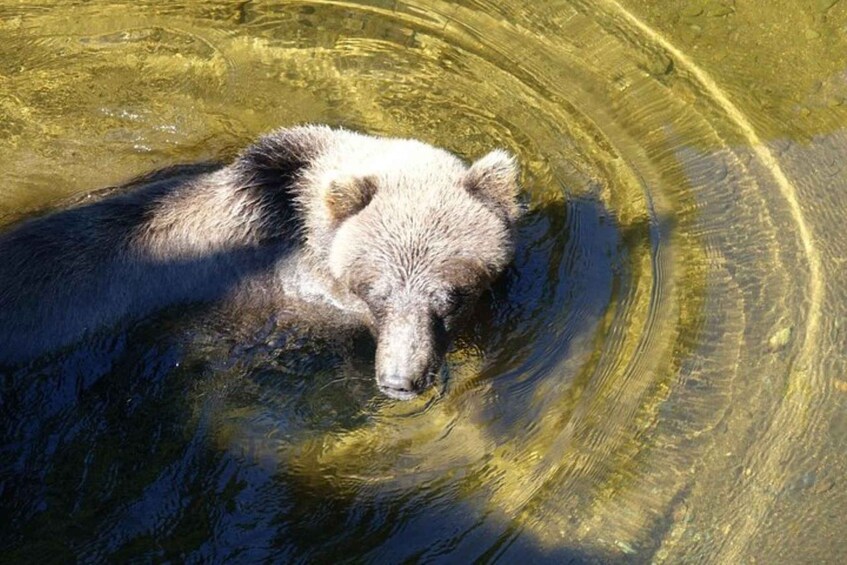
660,377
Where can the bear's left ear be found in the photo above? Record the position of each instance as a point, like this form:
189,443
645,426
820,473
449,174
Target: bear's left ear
494,179
348,195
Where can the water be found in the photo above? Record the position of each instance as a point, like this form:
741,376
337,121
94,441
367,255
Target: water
661,377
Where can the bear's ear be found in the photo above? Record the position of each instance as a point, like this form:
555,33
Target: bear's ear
348,195
494,180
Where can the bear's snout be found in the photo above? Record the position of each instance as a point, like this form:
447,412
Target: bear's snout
410,350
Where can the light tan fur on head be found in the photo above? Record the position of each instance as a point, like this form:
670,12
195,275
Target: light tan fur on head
413,232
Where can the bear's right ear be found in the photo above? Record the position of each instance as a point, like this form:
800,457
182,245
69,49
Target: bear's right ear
494,180
348,195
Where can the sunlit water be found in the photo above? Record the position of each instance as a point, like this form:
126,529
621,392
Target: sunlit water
661,376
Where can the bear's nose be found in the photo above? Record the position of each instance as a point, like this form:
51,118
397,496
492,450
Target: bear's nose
407,352
397,387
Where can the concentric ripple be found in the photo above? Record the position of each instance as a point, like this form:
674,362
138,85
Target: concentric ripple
646,383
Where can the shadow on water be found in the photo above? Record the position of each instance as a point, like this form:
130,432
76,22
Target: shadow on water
67,272
132,445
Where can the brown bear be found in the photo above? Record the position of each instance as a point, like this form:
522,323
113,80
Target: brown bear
391,234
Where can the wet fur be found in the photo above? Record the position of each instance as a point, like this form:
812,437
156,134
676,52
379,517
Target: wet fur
305,215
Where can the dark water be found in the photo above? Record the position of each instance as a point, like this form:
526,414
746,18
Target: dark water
660,377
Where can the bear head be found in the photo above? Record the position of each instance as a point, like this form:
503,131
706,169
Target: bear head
409,229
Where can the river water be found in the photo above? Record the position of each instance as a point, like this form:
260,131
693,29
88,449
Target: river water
661,377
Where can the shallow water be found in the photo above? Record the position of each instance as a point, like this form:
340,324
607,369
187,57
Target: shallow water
661,377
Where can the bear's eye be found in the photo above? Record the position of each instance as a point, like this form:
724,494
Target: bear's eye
362,289
451,300
371,292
